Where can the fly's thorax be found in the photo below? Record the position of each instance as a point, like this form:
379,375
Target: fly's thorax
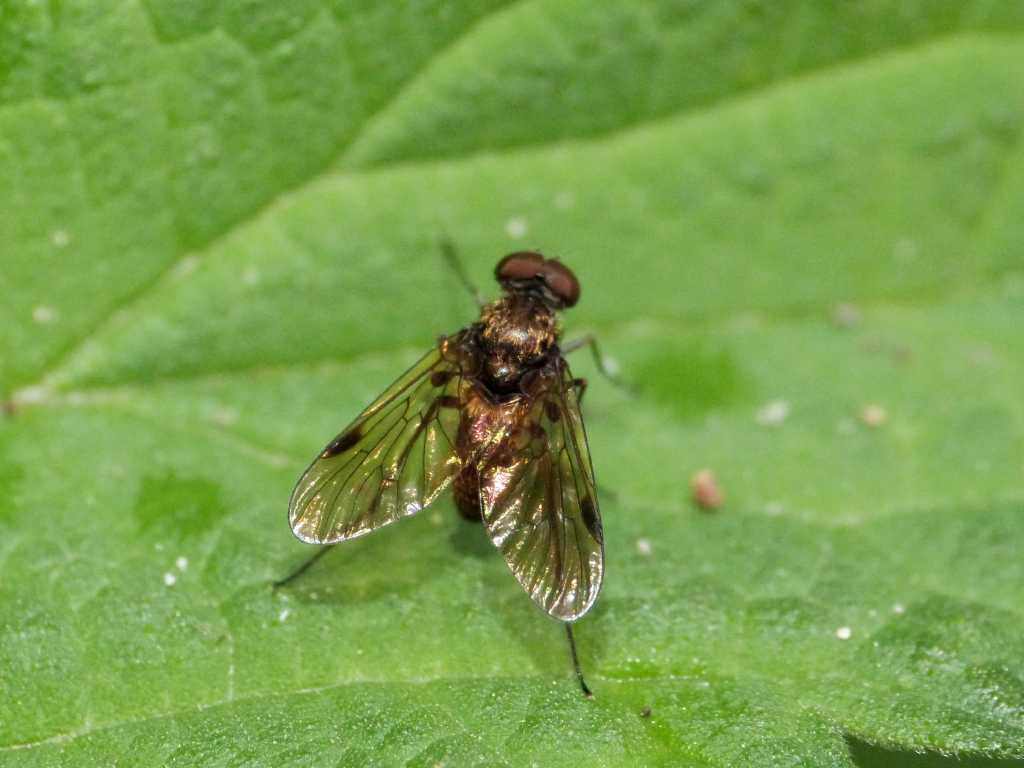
517,331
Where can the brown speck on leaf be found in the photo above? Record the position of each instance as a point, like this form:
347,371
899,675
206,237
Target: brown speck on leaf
902,354
846,315
873,415
645,712
707,494
898,352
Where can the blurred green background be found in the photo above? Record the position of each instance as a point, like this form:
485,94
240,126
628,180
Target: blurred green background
799,234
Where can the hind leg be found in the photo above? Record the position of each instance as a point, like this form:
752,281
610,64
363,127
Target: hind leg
309,563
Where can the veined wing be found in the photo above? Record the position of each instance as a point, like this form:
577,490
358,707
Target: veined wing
539,502
393,460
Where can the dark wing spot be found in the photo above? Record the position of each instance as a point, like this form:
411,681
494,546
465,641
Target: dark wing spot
342,442
440,378
553,411
591,520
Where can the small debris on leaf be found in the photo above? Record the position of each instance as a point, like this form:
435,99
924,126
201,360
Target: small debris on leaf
873,415
516,227
846,315
643,546
645,712
773,414
707,494
44,314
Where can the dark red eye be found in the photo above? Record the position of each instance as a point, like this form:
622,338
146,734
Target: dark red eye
529,265
562,282
522,265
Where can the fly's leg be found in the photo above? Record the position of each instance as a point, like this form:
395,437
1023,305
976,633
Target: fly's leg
589,340
581,388
309,563
576,662
450,255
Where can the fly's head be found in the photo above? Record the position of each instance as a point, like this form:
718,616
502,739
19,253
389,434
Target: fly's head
548,280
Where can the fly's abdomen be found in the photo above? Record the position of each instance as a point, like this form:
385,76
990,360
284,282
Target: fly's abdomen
482,442
467,493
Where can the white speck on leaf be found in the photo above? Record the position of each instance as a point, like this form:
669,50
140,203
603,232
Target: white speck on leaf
643,546
44,314
186,266
170,579
773,508
898,608
181,562
773,414
844,633
31,395
283,615
516,227
60,238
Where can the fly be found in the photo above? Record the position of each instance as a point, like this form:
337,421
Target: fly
494,412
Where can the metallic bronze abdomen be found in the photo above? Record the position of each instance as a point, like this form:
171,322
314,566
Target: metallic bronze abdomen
485,431
467,493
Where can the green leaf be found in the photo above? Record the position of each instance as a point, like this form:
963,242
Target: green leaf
218,233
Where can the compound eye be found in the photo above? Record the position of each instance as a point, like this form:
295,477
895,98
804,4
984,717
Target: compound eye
561,282
522,265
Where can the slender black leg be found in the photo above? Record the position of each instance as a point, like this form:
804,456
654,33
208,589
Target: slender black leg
581,388
576,662
304,567
450,255
589,340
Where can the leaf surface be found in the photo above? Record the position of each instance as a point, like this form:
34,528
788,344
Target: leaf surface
219,239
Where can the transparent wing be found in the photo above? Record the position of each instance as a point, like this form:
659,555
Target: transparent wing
392,461
539,503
